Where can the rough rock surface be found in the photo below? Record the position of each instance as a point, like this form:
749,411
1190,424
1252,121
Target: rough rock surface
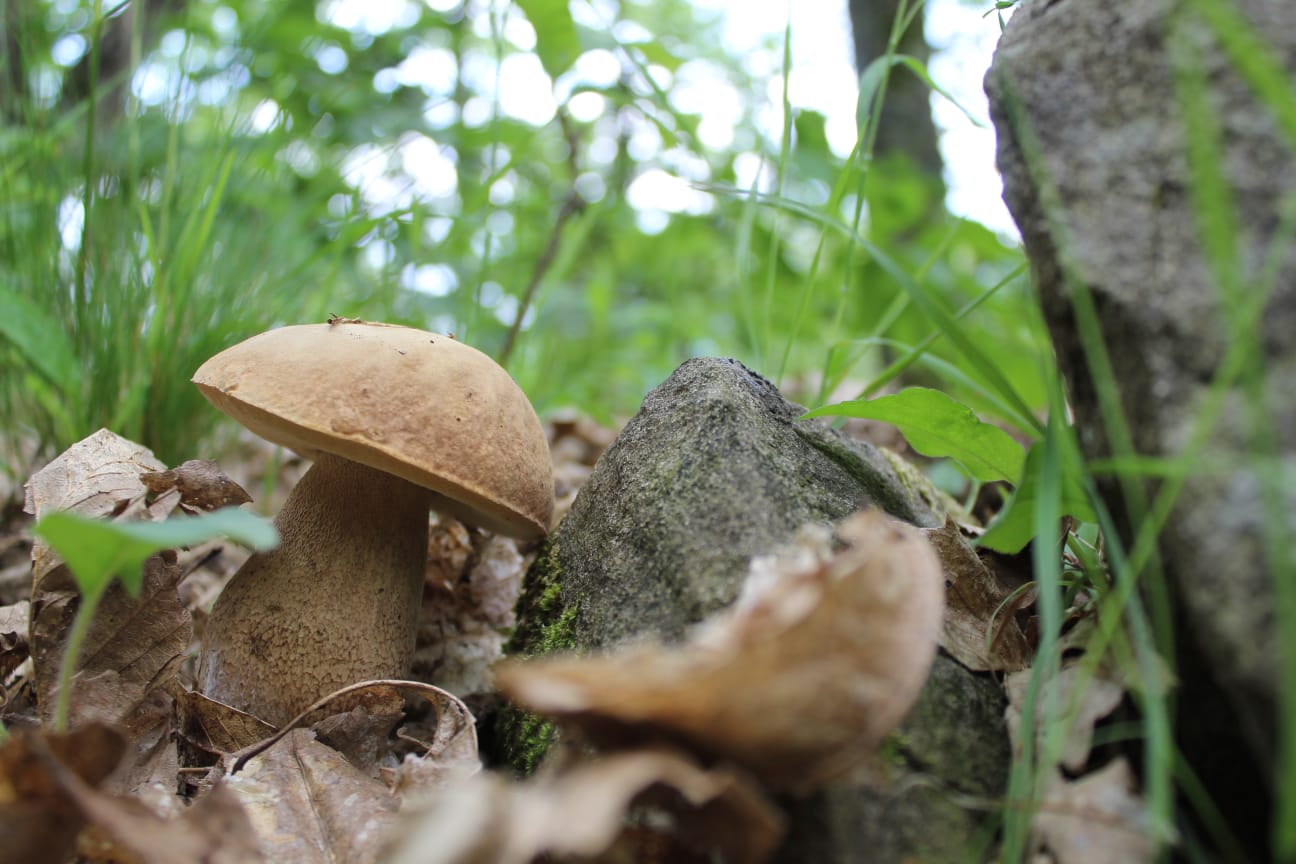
1094,155
714,469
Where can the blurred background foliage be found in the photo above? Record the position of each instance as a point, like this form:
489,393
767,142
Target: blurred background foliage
541,178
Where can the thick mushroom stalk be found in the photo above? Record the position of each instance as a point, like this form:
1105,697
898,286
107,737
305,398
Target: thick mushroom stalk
337,602
397,420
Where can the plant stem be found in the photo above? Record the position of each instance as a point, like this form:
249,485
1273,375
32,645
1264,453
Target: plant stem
67,669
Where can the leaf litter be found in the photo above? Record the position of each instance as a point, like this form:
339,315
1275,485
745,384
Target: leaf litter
678,751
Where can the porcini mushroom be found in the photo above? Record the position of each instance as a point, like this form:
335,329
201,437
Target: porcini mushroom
398,421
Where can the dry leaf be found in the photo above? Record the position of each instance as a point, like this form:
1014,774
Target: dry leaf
981,631
133,648
308,804
363,734
97,476
1099,817
446,748
202,485
582,814
14,649
473,584
1085,708
575,444
215,728
38,820
799,683
48,797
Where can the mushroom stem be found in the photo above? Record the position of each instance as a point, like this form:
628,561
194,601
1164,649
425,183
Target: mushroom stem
337,602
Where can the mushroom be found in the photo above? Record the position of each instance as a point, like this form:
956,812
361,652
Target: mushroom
398,421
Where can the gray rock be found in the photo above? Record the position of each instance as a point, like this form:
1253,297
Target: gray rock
716,468
1093,152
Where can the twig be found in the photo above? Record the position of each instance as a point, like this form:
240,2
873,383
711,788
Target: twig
260,747
573,205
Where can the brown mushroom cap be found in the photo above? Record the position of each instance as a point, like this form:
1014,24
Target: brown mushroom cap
418,405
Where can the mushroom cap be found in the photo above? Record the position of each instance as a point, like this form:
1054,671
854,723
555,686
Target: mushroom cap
414,404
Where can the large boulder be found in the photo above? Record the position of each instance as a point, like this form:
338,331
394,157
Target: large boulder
1094,154
714,469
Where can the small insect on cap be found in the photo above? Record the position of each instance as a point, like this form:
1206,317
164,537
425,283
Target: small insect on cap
418,405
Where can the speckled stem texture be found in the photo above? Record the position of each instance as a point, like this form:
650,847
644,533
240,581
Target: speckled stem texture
336,603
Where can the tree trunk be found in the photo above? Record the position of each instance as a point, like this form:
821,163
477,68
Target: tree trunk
906,125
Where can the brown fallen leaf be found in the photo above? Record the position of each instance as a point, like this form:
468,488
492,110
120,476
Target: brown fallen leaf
1098,817
15,621
363,735
135,645
1083,708
39,820
133,649
50,805
214,830
308,804
444,748
581,814
980,631
473,582
799,682
214,728
439,743
201,483
98,476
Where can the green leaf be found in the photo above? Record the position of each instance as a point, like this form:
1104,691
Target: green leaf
40,339
1013,528
557,42
937,425
96,550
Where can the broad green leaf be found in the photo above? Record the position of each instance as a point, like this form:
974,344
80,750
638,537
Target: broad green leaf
39,339
557,42
938,426
96,550
1014,527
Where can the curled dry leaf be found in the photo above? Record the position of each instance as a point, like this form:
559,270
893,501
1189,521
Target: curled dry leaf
438,745
799,683
980,631
445,747
1099,817
363,735
201,483
582,814
308,804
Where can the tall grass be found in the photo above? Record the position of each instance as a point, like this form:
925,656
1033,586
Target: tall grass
135,243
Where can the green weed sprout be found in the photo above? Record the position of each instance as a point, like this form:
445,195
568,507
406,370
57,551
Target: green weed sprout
97,551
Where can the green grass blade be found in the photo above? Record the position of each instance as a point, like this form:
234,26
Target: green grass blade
40,341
